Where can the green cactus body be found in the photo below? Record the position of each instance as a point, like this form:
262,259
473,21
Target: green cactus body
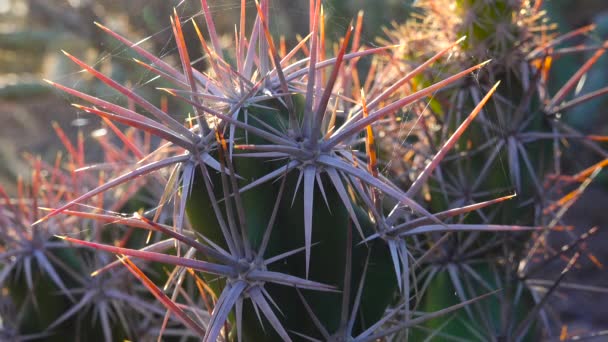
50,304
514,163
495,318
328,261
329,230
45,302
489,24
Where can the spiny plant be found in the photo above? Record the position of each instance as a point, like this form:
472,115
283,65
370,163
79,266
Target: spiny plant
47,285
273,210
522,128
252,125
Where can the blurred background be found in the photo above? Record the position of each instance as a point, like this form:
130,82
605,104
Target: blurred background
33,33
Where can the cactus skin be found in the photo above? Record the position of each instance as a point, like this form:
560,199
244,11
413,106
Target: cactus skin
42,305
512,305
49,305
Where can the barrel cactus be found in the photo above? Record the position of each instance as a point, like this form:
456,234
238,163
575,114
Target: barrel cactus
284,206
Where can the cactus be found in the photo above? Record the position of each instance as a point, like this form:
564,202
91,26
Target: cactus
522,128
47,283
279,215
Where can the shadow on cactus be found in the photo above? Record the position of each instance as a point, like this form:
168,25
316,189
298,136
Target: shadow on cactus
273,205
